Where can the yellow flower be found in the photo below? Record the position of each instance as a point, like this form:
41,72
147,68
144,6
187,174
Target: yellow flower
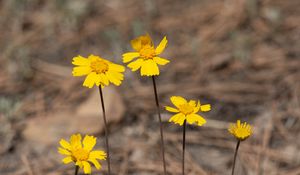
81,153
98,70
147,55
187,111
240,131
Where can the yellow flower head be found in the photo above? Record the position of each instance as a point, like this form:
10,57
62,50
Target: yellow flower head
81,153
187,111
240,131
98,70
147,55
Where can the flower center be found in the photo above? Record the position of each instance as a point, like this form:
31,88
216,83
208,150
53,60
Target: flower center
80,154
99,66
186,109
147,52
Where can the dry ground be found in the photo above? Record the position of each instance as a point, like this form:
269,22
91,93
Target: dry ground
241,56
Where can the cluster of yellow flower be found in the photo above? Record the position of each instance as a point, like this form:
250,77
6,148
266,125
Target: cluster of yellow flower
101,72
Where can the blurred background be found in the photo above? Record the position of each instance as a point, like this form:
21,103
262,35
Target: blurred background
241,56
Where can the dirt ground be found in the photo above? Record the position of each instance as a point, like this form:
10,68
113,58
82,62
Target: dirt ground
241,56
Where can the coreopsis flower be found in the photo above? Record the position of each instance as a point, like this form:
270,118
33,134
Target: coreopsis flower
187,111
240,131
99,71
147,55
81,153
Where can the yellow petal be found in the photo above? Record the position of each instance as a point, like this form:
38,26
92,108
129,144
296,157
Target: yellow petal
135,65
149,68
127,57
86,167
115,77
81,70
96,163
170,109
177,101
205,108
90,80
101,155
195,118
162,45
79,163
197,108
64,152
89,142
192,103
161,61
116,67
80,61
103,80
65,144
136,44
67,160
75,141
177,119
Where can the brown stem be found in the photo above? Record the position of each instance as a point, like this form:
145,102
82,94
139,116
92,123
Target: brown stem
162,145
183,146
76,169
235,155
106,130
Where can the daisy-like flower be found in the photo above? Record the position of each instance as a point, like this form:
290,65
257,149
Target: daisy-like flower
240,131
147,55
98,70
187,111
81,153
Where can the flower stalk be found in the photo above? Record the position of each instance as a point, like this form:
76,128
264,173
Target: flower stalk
183,146
162,145
105,129
76,169
235,155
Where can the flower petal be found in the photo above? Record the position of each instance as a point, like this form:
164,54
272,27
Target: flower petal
75,141
86,167
195,118
149,68
101,155
89,142
81,70
177,119
115,77
90,80
127,57
96,163
67,160
177,101
80,61
65,144
64,152
205,108
116,67
197,107
104,80
162,45
170,109
161,61
135,65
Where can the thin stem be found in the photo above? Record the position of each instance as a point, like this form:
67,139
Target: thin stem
235,155
106,130
76,169
162,145
183,146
